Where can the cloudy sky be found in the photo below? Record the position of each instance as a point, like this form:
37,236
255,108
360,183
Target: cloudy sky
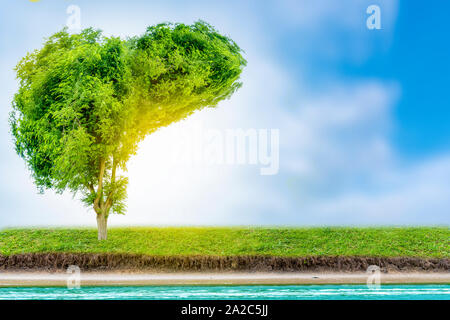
363,116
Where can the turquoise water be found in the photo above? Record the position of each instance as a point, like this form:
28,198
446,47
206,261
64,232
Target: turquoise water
297,292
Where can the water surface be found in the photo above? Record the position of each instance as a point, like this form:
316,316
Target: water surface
293,292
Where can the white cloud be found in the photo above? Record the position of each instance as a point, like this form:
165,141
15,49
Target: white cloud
344,129
414,195
346,171
345,14
336,30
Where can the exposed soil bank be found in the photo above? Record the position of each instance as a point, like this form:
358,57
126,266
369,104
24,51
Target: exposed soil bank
114,262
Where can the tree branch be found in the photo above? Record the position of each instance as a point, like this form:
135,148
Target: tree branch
113,180
98,200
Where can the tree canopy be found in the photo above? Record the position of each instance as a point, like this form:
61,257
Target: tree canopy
85,101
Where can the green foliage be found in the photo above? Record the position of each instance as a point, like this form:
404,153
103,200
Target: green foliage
370,242
85,101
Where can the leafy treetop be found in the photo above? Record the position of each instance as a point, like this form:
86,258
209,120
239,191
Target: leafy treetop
85,101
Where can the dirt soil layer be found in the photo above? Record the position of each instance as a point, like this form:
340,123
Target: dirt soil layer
114,262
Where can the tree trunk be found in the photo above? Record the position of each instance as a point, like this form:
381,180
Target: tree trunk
102,219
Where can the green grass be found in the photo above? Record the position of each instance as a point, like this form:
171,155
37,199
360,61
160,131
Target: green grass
380,242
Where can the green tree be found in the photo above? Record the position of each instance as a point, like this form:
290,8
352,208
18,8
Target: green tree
85,101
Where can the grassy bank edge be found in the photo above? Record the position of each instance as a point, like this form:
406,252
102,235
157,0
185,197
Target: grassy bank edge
423,242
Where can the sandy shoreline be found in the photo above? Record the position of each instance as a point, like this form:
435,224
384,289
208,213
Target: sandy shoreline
10,279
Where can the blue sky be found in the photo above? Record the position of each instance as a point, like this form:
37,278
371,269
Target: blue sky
363,116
